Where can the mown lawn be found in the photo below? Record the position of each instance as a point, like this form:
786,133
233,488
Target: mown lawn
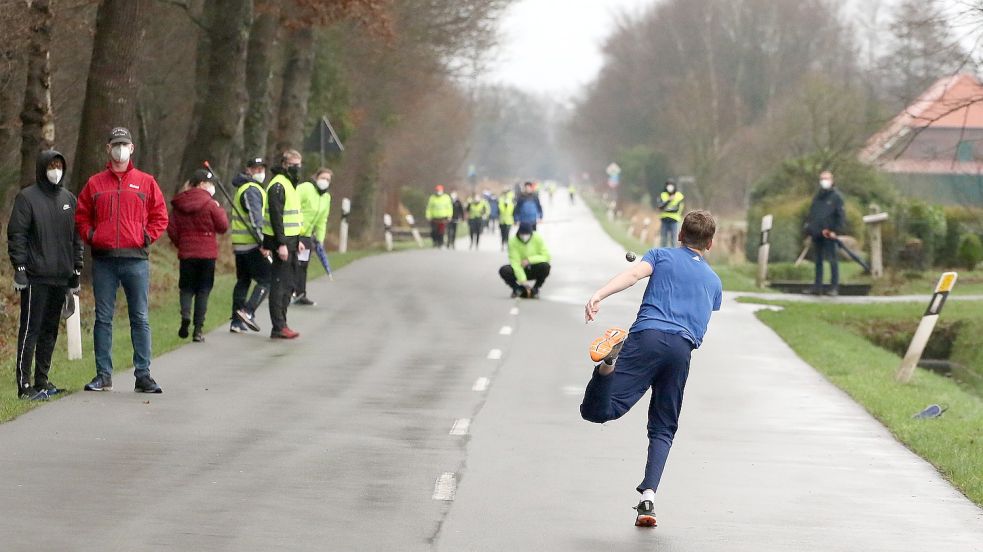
164,321
829,337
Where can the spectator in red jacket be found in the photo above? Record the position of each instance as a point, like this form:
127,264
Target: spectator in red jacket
120,213
195,222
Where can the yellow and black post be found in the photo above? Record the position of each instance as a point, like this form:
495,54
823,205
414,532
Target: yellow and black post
925,327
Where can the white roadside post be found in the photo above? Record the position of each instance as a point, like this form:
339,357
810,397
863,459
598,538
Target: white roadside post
925,327
416,233
611,207
73,327
631,226
644,236
874,221
387,223
763,250
346,209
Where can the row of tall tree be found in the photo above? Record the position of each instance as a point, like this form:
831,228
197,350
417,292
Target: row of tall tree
723,90
223,80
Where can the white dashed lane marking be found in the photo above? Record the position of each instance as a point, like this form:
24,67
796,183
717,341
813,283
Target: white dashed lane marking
461,426
494,354
506,330
481,384
445,487
514,311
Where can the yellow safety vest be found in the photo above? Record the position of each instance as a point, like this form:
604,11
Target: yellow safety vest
293,218
315,206
241,223
674,209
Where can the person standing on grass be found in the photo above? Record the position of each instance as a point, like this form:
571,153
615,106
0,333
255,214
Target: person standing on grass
315,203
825,221
681,294
196,221
121,212
46,253
282,221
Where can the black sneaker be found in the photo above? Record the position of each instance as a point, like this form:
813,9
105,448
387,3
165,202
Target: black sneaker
303,300
32,394
100,383
534,293
147,384
183,330
238,327
198,337
248,319
646,514
517,292
49,388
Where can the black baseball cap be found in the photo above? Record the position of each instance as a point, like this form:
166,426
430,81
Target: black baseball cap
201,175
255,162
120,135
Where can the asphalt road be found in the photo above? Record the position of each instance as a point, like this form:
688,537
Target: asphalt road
422,409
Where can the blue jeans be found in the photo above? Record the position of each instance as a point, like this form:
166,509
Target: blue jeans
668,231
108,274
650,358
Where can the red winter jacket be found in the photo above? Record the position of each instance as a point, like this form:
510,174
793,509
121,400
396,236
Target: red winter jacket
120,215
195,221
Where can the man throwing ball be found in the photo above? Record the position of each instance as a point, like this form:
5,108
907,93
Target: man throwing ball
682,292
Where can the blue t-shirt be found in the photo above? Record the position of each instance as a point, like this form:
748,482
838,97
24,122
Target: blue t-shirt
681,293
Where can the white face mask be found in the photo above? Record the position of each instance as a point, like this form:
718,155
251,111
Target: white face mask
209,188
323,184
670,189
524,238
54,176
260,177
121,153
825,183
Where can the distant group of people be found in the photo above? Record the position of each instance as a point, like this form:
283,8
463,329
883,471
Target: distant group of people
119,213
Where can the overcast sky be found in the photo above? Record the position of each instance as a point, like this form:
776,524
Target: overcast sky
553,46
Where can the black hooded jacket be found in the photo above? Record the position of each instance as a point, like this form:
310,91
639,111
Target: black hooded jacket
41,234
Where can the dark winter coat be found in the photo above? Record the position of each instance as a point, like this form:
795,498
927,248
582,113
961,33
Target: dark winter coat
196,220
825,213
41,234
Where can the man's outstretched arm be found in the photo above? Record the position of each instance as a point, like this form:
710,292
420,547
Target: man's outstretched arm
617,284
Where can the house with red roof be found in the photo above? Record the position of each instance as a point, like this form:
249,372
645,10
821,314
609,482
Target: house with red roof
934,148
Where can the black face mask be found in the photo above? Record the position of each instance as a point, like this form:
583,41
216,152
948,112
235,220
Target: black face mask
293,171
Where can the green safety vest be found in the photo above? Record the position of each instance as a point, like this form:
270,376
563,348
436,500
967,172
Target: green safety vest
506,209
242,233
479,209
293,218
674,209
315,206
440,207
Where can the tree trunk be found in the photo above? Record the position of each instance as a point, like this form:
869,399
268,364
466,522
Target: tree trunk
259,74
110,94
225,97
296,89
12,74
37,118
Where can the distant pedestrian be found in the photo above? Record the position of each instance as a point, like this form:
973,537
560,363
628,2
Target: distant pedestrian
121,212
456,218
573,194
477,210
282,223
46,253
315,204
681,293
671,205
493,212
529,263
195,223
826,219
253,261
440,209
506,210
528,209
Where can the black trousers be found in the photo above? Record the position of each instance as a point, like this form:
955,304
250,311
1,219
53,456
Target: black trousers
537,272
437,231
250,266
451,234
282,285
40,312
826,250
196,282
300,279
505,228
475,225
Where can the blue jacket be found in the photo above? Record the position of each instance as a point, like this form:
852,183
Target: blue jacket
528,208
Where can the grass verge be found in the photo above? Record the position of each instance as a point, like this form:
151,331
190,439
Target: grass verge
164,320
825,336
